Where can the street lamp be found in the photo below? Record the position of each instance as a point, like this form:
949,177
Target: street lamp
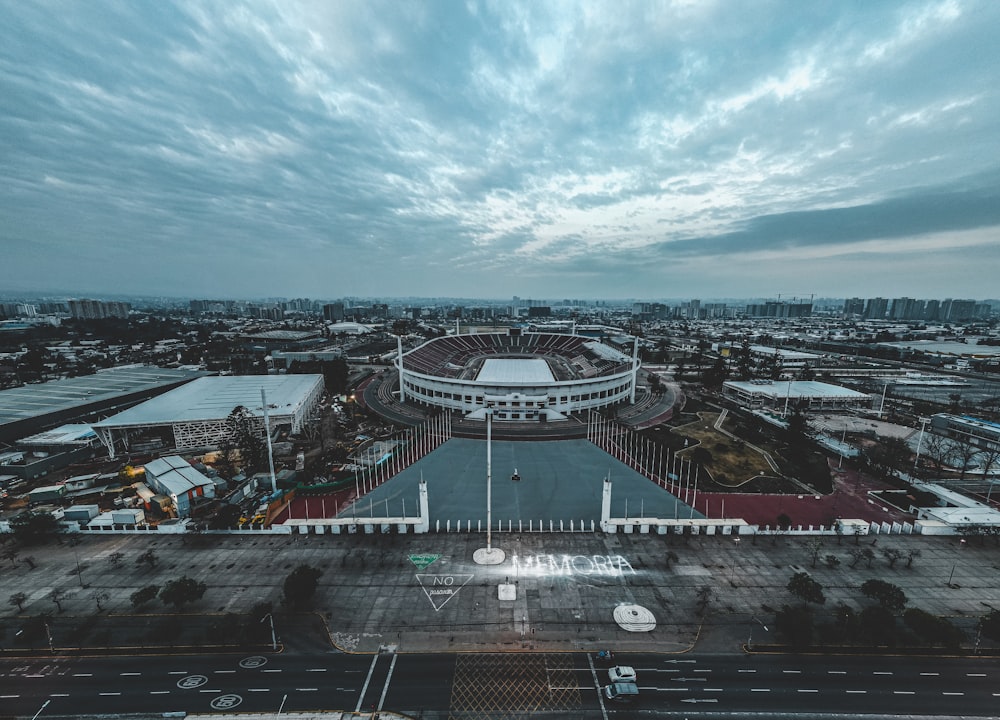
920,440
274,640
732,576
750,635
489,555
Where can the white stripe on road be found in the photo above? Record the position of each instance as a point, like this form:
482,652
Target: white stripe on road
83,674
159,692
810,691
209,691
836,672
792,672
306,689
129,674
109,693
364,688
385,688
747,671
8,697
59,695
881,672
223,672
953,693
856,692
760,689
259,689
315,669
178,672
975,674
903,692
930,674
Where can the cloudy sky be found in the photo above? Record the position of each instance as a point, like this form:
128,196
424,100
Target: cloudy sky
543,149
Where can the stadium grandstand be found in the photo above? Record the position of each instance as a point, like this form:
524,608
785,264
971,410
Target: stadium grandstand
522,376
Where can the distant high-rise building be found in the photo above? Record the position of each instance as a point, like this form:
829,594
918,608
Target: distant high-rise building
334,312
854,306
876,308
98,310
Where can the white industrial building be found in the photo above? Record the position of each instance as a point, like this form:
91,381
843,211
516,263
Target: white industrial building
194,417
173,477
785,394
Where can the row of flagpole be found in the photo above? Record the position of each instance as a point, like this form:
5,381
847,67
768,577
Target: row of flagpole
407,447
647,458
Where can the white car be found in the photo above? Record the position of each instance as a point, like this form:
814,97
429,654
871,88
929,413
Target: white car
621,673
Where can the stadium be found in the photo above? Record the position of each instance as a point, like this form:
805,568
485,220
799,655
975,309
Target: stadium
520,376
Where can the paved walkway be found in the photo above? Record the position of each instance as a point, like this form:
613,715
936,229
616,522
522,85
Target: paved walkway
425,593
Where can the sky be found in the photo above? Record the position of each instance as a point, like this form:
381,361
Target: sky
324,148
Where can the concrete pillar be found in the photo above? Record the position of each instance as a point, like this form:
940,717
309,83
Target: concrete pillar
424,523
606,506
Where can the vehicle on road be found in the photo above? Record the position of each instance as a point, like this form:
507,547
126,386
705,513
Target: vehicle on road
621,692
621,673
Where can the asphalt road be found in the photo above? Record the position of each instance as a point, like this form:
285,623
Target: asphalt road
501,684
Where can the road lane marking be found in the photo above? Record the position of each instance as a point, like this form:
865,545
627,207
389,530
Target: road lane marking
760,689
8,697
953,693
210,691
881,672
810,691
792,672
109,693
836,672
259,689
315,669
930,674
33,676
130,674
221,672
270,670
975,674
597,685
306,689
701,671
178,672
385,688
712,690
83,674
856,692
159,692
364,688
903,692
59,695
747,671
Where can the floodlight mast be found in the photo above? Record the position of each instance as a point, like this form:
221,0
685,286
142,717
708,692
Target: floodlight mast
267,434
489,479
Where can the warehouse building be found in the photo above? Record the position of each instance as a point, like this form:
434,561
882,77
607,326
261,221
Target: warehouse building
194,417
781,395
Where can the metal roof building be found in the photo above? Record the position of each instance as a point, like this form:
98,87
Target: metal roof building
811,394
31,409
194,416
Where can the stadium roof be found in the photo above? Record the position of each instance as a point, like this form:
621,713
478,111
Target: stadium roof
64,435
520,372
213,398
30,401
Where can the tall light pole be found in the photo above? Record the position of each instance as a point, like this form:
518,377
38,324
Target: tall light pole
920,441
274,640
267,434
732,576
750,636
489,555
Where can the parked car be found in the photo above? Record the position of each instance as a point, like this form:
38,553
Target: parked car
621,673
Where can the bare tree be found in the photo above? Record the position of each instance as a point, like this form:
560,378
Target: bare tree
116,558
910,555
56,596
939,450
892,555
100,597
964,453
18,599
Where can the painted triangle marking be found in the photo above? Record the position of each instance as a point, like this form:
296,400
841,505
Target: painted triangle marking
422,561
439,589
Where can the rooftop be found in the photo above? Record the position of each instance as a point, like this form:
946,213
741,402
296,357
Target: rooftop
795,389
57,395
214,398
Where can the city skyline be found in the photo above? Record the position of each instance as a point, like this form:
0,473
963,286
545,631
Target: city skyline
468,150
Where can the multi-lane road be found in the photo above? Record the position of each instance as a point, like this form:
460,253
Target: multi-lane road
484,685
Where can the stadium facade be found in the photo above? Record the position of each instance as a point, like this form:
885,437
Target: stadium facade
520,376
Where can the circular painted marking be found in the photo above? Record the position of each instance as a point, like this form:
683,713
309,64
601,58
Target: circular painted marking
634,618
226,702
254,661
191,682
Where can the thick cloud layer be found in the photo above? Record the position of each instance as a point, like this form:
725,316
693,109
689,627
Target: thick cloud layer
542,149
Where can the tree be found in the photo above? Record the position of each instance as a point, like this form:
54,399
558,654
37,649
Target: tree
804,587
965,453
116,558
147,558
889,596
989,624
670,557
11,554
301,584
144,595
19,599
878,625
857,555
869,556
795,624
939,450
831,561
182,591
244,432
335,375
34,526
56,596
932,628
892,555
910,555
814,546
704,596
100,597
784,522
715,375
